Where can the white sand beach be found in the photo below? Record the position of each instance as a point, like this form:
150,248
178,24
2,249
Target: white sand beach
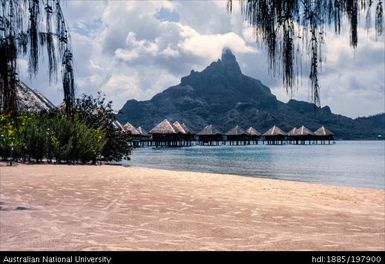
59,207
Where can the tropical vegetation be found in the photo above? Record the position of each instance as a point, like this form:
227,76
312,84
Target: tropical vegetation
85,137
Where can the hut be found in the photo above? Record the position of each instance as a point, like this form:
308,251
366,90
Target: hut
291,135
145,137
254,135
236,136
323,134
165,134
274,136
210,135
300,135
184,132
134,134
117,126
190,134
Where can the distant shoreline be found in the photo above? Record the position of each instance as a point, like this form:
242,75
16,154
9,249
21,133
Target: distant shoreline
52,207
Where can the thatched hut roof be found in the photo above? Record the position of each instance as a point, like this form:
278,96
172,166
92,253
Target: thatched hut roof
131,129
209,131
251,131
322,131
292,132
142,131
303,131
164,127
188,131
117,125
274,131
236,131
179,127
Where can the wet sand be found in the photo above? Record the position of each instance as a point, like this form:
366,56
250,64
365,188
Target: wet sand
52,207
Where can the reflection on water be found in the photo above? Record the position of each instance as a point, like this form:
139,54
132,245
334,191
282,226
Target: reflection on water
350,163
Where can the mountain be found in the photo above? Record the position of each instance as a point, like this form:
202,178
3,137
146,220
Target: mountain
221,95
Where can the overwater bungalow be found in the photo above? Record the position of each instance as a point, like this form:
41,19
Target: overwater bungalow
190,133
237,136
323,134
145,137
118,126
300,135
254,135
165,134
185,134
134,133
210,136
291,135
274,136
131,129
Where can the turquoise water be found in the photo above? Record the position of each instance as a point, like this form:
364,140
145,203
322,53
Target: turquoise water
346,163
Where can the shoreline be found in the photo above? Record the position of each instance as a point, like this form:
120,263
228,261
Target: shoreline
382,188
69,207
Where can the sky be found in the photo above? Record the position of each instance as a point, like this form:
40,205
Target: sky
136,49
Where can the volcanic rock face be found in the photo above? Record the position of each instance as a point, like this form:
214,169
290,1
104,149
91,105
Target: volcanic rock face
221,95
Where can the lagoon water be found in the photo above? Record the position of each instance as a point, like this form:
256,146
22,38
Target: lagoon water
346,163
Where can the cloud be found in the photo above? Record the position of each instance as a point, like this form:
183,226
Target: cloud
211,45
135,49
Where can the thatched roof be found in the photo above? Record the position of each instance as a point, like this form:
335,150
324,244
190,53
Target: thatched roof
142,131
274,131
188,131
179,127
251,131
209,130
117,125
292,132
303,131
164,127
322,131
131,129
236,131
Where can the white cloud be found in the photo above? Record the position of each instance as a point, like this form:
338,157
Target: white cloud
211,45
124,50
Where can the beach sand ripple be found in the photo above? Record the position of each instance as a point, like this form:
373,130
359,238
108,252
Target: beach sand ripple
51,207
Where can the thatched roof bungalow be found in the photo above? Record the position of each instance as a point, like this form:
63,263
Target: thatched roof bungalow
274,131
184,131
131,129
292,132
300,135
275,135
144,137
143,132
164,128
323,134
303,132
179,128
117,126
167,134
253,134
209,134
236,135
